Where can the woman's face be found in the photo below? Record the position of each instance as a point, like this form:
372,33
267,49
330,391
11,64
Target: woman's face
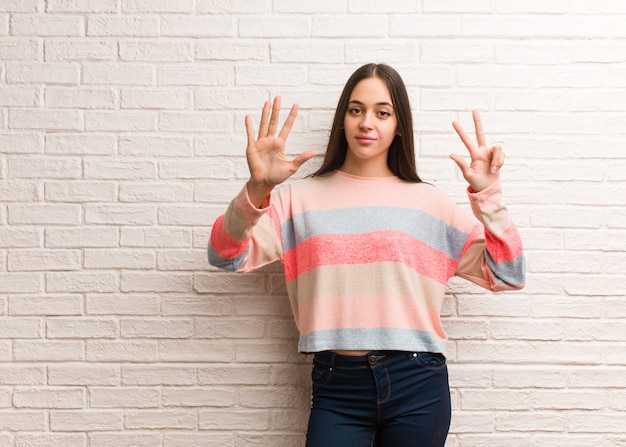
370,126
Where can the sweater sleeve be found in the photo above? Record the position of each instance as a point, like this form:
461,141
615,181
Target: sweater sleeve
493,256
245,238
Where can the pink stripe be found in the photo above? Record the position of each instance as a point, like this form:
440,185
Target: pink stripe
224,244
369,312
506,247
375,247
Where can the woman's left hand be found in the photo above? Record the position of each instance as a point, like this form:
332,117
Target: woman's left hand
486,161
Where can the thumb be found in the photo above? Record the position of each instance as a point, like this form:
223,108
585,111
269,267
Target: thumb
460,163
304,157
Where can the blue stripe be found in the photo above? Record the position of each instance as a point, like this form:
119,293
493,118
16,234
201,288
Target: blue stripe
509,272
230,264
371,339
418,224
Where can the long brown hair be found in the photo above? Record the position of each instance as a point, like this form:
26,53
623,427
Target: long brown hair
401,155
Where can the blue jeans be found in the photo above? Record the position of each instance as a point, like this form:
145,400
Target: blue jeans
382,399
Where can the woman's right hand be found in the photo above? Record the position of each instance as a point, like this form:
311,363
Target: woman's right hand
266,154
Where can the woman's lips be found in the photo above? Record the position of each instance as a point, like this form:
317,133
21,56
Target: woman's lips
365,139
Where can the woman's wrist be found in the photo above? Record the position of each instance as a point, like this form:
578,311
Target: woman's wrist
258,193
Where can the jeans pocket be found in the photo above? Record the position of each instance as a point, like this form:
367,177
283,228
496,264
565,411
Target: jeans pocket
321,374
430,360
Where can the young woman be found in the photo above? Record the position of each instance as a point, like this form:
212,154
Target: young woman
367,250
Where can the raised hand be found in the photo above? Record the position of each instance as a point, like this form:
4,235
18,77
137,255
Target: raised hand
266,153
486,161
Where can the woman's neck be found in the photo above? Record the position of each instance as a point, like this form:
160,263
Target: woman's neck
366,169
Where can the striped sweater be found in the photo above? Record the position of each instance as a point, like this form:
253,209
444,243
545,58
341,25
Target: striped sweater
367,260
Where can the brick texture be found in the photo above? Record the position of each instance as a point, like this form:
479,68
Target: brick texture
122,139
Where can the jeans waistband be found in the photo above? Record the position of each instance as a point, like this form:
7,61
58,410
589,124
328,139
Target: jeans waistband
359,361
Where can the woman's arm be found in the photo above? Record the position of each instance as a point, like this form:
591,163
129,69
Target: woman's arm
493,256
246,236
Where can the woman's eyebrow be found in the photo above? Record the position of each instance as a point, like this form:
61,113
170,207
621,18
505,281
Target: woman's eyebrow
382,103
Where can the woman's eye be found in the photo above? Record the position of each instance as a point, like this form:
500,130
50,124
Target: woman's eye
384,114
355,111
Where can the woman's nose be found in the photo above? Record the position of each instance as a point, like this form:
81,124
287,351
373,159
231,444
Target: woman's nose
366,121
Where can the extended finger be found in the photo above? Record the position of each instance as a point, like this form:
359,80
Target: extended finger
249,130
274,118
291,118
478,126
263,126
464,137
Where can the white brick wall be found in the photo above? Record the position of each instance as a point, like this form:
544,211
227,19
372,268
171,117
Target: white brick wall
122,139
